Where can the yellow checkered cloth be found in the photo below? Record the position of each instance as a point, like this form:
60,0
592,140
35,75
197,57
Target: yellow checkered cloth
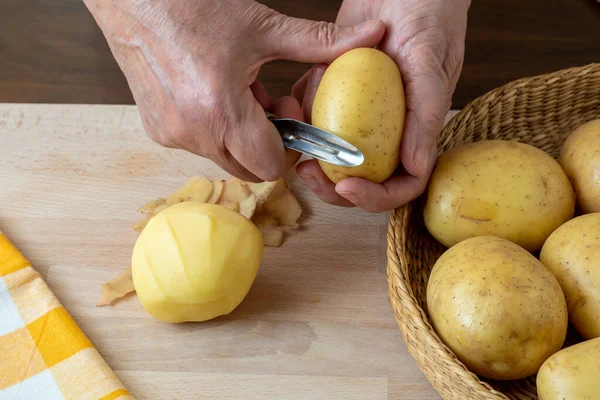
44,355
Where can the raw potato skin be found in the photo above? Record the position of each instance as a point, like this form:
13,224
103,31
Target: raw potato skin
572,254
580,158
499,188
571,374
195,261
361,99
496,307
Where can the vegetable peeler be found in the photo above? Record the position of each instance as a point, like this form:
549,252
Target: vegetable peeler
316,142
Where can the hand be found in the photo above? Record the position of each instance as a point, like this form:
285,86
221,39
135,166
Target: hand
192,67
426,39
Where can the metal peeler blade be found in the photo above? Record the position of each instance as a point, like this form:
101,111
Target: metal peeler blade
316,142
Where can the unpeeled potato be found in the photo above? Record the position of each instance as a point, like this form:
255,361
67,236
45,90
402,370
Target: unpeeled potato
572,254
497,307
580,158
499,188
361,99
572,373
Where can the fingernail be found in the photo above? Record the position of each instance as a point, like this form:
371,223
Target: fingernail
367,26
350,196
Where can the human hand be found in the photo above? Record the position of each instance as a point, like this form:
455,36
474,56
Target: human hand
426,39
192,67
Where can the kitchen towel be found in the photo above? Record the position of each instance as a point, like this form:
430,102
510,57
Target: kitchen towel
44,355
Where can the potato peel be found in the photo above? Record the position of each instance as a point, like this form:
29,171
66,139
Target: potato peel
234,190
262,191
232,205
269,204
248,206
217,191
285,208
196,189
151,206
265,220
116,289
272,235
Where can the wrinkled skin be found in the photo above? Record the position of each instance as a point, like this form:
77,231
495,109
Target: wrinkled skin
426,39
192,66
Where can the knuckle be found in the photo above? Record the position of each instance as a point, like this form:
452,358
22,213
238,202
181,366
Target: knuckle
327,33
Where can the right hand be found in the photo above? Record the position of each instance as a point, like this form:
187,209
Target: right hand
192,67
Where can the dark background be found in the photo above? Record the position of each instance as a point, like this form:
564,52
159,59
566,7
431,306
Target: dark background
52,51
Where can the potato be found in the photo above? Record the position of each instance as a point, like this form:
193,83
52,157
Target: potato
571,374
498,188
572,254
195,261
580,158
496,307
361,99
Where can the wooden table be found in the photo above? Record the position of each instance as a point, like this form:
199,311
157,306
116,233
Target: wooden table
315,325
53,51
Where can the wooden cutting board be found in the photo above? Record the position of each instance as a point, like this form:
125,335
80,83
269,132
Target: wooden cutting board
316,324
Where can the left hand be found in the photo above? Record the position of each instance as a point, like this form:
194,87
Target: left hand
426,39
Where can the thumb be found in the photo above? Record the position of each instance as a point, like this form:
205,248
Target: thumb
308,41
428,100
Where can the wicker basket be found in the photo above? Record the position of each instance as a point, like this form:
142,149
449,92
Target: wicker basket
540,111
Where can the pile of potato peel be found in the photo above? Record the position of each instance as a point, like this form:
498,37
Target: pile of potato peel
271,206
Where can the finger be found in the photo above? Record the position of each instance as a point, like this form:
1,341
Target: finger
308,41
313,176
427,102
311,90
288,107
261,95
306,88
234,168
393,193
300,86
254,142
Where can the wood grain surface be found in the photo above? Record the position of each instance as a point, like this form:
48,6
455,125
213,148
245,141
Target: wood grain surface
315,325
53,51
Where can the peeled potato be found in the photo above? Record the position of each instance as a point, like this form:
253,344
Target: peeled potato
195,261
271,206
